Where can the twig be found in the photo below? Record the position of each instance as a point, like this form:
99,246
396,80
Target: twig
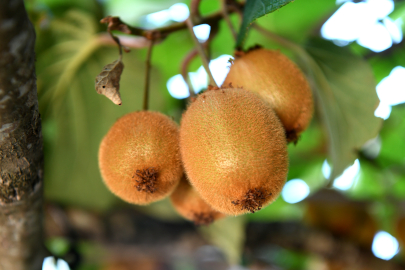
194,9
224,9
114,23
193,53
207,44
118,43
200,49
126,41
184,70
105,20
147,77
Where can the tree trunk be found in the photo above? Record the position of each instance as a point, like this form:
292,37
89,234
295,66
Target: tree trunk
21,154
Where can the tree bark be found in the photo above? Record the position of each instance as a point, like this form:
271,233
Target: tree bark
21,153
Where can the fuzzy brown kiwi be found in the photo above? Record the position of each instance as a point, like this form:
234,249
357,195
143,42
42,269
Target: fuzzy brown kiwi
139,157
279,82
234,150
191,206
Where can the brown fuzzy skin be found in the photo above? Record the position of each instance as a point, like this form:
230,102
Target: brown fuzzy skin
279,82
232,144
191,206
139,157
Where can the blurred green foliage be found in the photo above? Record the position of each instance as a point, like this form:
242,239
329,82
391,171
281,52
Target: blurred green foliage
75,118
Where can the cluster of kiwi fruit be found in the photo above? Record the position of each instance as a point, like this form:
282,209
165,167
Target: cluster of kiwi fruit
229,155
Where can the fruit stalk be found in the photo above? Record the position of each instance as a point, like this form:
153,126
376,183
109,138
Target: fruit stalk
200,50
184,71
147,77
190,56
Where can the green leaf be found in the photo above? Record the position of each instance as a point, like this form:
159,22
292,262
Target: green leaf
255,9
346,98
392,138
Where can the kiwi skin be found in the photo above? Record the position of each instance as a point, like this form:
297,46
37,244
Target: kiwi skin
139,157
279,82
234,150
189,204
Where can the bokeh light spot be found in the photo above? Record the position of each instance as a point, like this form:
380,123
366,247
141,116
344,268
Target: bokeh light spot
347,178
202,32
385,246
295,191
179,12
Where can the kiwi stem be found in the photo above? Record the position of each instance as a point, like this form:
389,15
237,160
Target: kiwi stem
193,53
200,50
184,70
224,9
147,77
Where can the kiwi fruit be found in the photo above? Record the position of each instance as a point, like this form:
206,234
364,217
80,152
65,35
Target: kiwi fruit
139,157
234,150
279,82
191,206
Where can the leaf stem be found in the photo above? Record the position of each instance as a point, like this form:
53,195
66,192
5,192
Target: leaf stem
201,52
116,41
280,40
147,77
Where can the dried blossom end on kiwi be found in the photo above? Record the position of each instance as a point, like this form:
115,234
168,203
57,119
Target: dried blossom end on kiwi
147,179
253,200
292,136
203,218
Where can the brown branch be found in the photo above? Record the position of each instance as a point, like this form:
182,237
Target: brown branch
21,152
194,9
127,41
114,23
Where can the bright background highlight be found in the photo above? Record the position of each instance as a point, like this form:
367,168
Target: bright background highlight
219,68
361,22
385,246
49,264
295,191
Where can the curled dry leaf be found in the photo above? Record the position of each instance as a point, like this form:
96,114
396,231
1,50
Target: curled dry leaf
108,81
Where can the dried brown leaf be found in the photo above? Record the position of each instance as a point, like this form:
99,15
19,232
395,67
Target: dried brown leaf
108,81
